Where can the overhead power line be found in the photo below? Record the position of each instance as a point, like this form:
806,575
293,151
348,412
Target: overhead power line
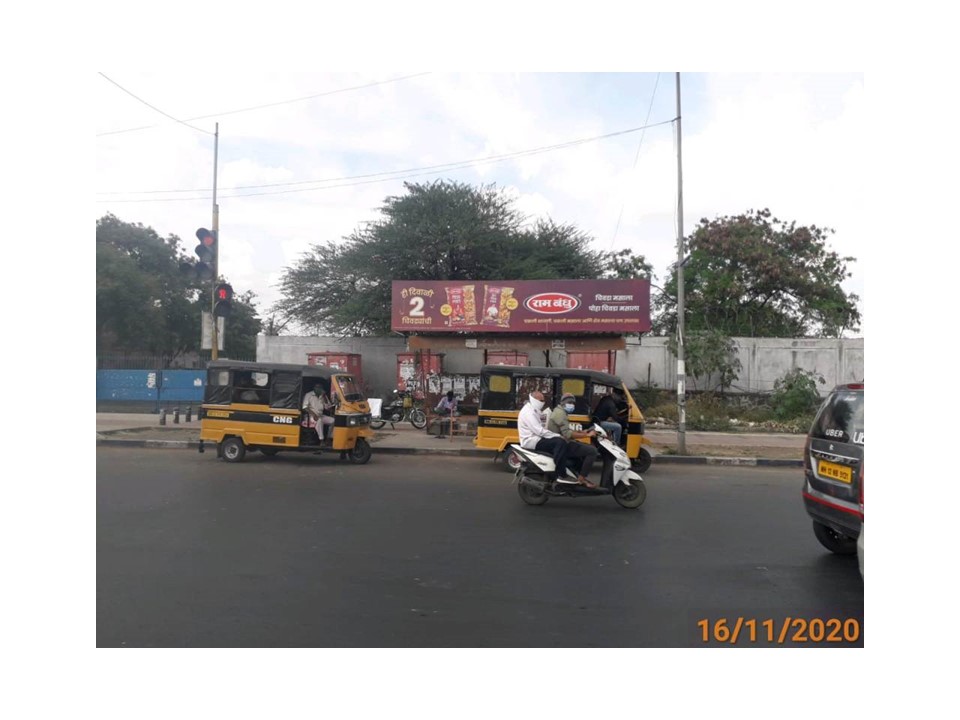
635,158
265,105
138,99
392,174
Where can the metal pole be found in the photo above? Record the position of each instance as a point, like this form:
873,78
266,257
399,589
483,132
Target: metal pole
681,370
216,245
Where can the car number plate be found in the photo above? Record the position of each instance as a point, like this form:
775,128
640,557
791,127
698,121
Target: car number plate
834,471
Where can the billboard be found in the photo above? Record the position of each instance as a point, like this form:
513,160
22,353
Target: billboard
520,306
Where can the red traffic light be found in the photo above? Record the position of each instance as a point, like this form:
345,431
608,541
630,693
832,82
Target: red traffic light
206,253
222,296
206,237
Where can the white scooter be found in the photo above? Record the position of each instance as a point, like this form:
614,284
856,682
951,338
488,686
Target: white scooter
537,479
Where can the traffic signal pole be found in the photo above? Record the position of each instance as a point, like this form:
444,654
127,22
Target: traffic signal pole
216,257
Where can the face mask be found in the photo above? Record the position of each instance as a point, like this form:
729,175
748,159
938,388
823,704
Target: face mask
568,407
537,404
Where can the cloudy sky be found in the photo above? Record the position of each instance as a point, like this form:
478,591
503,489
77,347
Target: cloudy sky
308,157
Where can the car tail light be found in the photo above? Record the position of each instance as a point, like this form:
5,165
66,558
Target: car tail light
806,454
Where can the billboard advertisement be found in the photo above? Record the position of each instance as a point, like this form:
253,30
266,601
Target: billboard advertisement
520,306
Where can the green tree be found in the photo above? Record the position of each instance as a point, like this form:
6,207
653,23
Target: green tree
753,275
436,231
143,300
708,353
242,327
145,304
624,265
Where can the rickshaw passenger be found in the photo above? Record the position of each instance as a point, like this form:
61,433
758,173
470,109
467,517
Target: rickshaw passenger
246,389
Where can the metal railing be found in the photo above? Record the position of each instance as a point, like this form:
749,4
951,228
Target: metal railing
190,361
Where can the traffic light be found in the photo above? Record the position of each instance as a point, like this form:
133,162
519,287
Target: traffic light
207,254
222,297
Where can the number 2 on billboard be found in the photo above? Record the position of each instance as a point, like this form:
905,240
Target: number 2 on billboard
416,307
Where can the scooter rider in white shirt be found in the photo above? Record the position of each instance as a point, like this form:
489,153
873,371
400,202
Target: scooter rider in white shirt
534,434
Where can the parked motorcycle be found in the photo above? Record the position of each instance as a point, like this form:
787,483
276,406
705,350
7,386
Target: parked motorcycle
537,479
400,408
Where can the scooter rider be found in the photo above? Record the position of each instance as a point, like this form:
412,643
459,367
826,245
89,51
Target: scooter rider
560,423
534,434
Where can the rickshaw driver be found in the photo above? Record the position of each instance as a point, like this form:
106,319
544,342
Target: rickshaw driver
317,404
611,413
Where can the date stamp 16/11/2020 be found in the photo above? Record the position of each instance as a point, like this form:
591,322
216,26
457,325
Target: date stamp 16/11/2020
779,631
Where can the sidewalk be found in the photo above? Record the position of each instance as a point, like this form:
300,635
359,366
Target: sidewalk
144,430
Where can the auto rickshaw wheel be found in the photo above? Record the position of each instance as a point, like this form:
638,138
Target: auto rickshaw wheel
269,451
361,452
232,449
512,461
643,461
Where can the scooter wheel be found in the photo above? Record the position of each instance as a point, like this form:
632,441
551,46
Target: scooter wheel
531,495
377,424
630,494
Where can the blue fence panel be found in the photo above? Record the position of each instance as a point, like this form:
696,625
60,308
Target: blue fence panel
127,385
182,386
151,385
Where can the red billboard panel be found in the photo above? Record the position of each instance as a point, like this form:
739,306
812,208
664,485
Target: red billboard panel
521,306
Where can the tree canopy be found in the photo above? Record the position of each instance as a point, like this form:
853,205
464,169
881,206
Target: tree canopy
436,231
145,304
753,275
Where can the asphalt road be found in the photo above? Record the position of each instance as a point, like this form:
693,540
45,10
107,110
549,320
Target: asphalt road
424,551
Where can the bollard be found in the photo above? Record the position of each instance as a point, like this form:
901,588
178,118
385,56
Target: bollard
176,415
163,416
189,412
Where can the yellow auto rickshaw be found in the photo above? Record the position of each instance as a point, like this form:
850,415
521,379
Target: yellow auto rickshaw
250,406
504,390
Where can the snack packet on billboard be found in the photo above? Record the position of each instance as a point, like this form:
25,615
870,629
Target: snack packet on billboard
463,305
495,309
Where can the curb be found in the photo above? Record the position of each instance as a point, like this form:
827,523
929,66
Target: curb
658,460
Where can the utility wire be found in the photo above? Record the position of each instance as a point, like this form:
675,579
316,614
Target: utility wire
156,108
637,157
392,174
267,105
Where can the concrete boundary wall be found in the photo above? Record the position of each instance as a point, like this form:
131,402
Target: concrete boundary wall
650,362
764,361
